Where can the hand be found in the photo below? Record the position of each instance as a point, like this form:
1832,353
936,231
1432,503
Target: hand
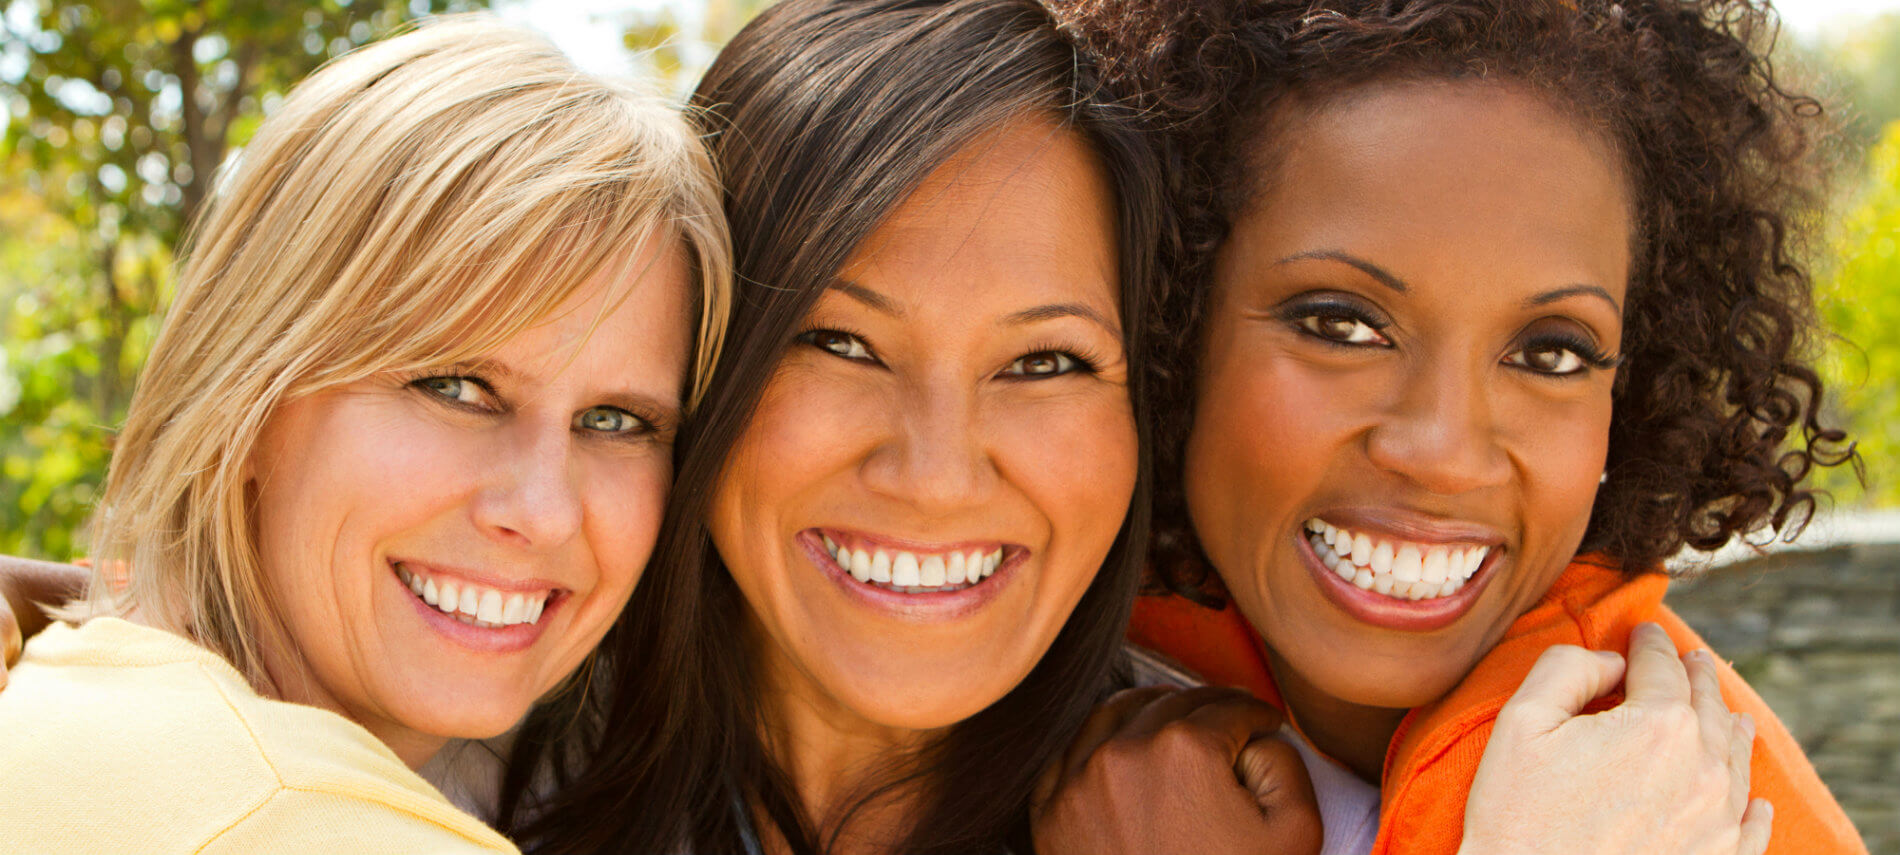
1666,771
22,584
1159,771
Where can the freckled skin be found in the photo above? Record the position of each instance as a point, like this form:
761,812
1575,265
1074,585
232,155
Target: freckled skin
930,438
1481,199
350,478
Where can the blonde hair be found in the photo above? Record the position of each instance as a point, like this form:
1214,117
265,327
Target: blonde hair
414,203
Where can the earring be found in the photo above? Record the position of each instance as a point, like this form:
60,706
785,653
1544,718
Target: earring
1604,478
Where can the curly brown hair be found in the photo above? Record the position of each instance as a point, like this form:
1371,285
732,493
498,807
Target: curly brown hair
1717,417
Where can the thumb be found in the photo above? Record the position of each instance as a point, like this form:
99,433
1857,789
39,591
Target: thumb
1565,679
1272,770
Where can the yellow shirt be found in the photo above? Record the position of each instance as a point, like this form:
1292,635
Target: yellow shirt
119,738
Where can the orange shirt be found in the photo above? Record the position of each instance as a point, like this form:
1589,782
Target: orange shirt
1435,752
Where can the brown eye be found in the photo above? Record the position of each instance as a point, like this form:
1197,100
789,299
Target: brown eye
1049,363
837,343
1547,359
1344,329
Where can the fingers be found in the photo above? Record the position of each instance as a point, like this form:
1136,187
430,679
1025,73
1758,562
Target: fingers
1756,827
1705,697
1564,680
1741,751
10,630
1101,724
1656,676
1273,771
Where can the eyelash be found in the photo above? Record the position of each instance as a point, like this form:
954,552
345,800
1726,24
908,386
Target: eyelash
1297,315
1084,362
419,381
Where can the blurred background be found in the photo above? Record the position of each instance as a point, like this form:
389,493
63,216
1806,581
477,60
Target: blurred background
118,113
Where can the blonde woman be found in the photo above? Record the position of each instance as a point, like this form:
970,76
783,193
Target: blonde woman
395,464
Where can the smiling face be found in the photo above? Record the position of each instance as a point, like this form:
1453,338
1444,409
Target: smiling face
443,548
945,455
1405,391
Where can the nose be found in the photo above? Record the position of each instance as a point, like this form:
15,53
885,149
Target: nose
932,456
1439,432
532,498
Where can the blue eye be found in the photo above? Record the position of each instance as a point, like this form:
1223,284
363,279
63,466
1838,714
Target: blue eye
609,420
457,390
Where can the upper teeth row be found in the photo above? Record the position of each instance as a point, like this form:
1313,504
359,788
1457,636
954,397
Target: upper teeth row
474,603
1395,567
912,570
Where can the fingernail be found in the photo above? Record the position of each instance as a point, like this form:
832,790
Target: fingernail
1608,655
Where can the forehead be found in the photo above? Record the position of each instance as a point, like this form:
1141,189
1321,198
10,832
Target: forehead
629,324
1459,164
1021,214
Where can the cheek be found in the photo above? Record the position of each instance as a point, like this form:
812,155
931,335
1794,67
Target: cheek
1075,459
333,481
798,433
1266,431
1559,446
624,501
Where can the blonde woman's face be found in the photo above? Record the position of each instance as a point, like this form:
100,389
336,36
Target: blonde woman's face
445,547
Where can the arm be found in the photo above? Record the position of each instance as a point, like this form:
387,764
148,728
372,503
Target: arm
1158,771
24,584
1666,771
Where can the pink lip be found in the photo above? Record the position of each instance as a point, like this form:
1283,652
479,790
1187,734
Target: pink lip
503,640
938,607
1390,612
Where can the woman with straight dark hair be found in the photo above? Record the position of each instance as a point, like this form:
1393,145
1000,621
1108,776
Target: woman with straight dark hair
826,119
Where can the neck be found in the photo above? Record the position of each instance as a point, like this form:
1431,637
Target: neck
1354,734
832,755
291,680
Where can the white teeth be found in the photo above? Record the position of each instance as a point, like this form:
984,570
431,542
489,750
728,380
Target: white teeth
904,571
473,605
910,572
490,608
1382,558
1407,565
1407,571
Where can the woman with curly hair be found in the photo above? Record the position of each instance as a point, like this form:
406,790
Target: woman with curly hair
1483,309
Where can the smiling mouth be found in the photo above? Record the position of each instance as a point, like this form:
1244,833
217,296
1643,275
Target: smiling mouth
472,604
1399,569
913,572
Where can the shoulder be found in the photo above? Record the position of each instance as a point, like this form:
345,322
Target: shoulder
139,740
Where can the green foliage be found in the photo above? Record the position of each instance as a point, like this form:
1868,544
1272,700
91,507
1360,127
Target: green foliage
117,115
1860,300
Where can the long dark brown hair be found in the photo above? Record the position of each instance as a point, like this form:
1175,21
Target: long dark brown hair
823,116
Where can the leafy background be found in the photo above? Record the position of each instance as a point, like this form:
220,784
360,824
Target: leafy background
118,113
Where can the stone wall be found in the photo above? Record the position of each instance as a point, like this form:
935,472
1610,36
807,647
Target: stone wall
1818,635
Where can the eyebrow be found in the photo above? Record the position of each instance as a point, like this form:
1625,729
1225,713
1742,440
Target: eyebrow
1549,297
880,303
868,297
667,409
1384,276
1063,310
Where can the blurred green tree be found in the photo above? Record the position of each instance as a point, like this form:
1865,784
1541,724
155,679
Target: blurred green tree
118,114
1859,287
